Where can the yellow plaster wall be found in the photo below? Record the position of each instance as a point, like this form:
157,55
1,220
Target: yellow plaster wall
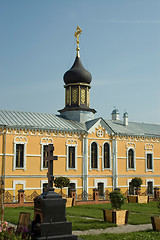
33,163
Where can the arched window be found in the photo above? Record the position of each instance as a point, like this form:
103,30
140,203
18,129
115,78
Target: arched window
130,158
94,150
106,155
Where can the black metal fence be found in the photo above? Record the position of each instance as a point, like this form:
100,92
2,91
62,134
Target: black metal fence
84,196
9,198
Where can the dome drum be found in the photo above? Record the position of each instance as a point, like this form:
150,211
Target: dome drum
77,95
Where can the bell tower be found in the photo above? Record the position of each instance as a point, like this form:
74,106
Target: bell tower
77,86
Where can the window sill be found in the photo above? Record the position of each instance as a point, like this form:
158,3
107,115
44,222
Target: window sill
19,168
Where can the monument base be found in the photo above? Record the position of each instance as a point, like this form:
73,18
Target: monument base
62,237
50,218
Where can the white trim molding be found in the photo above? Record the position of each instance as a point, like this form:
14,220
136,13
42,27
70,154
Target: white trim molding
75,182
20,140
43,181
101,180
85,164
131,146
71,143
44,142
90,164
103,168
16,182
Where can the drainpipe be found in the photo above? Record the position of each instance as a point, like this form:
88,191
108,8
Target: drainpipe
114,173
85,165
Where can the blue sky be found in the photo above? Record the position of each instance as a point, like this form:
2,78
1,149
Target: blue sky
119,45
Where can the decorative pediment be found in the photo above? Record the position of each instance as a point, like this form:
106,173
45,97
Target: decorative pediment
100,128
148,146
46,141
130,145
20,140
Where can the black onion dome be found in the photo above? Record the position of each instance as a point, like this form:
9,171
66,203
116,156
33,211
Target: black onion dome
77,73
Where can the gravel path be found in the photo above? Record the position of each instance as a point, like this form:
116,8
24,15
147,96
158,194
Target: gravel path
120,229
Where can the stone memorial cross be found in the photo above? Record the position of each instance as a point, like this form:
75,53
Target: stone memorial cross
50,158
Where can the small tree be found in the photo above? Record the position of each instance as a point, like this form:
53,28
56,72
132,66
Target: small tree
61,182
136,183
117,199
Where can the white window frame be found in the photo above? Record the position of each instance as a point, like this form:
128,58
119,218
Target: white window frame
103,168
75,182
44,142
150,180
133,169
149,170
100,180
20,140
43,181
71,143
90,164
17,182
128,182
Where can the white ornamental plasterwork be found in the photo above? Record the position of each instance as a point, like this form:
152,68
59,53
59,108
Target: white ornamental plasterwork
62,134
148,146
17,132
48,134
46,141
130,145
100,133
70,135
20,140
71,142
55,134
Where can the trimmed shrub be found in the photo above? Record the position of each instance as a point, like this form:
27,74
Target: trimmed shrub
61,182
117,199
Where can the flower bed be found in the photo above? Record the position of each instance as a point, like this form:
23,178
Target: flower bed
10,233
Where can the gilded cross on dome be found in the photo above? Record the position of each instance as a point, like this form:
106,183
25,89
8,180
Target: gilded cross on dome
77,33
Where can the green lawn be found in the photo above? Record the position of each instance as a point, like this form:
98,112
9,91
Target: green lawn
12,214
150,235
138,214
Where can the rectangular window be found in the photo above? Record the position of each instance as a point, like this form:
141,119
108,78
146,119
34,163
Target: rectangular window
45,154
131,189
150,188
101,190
45,185
149,161
71,161
71,186
19,155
